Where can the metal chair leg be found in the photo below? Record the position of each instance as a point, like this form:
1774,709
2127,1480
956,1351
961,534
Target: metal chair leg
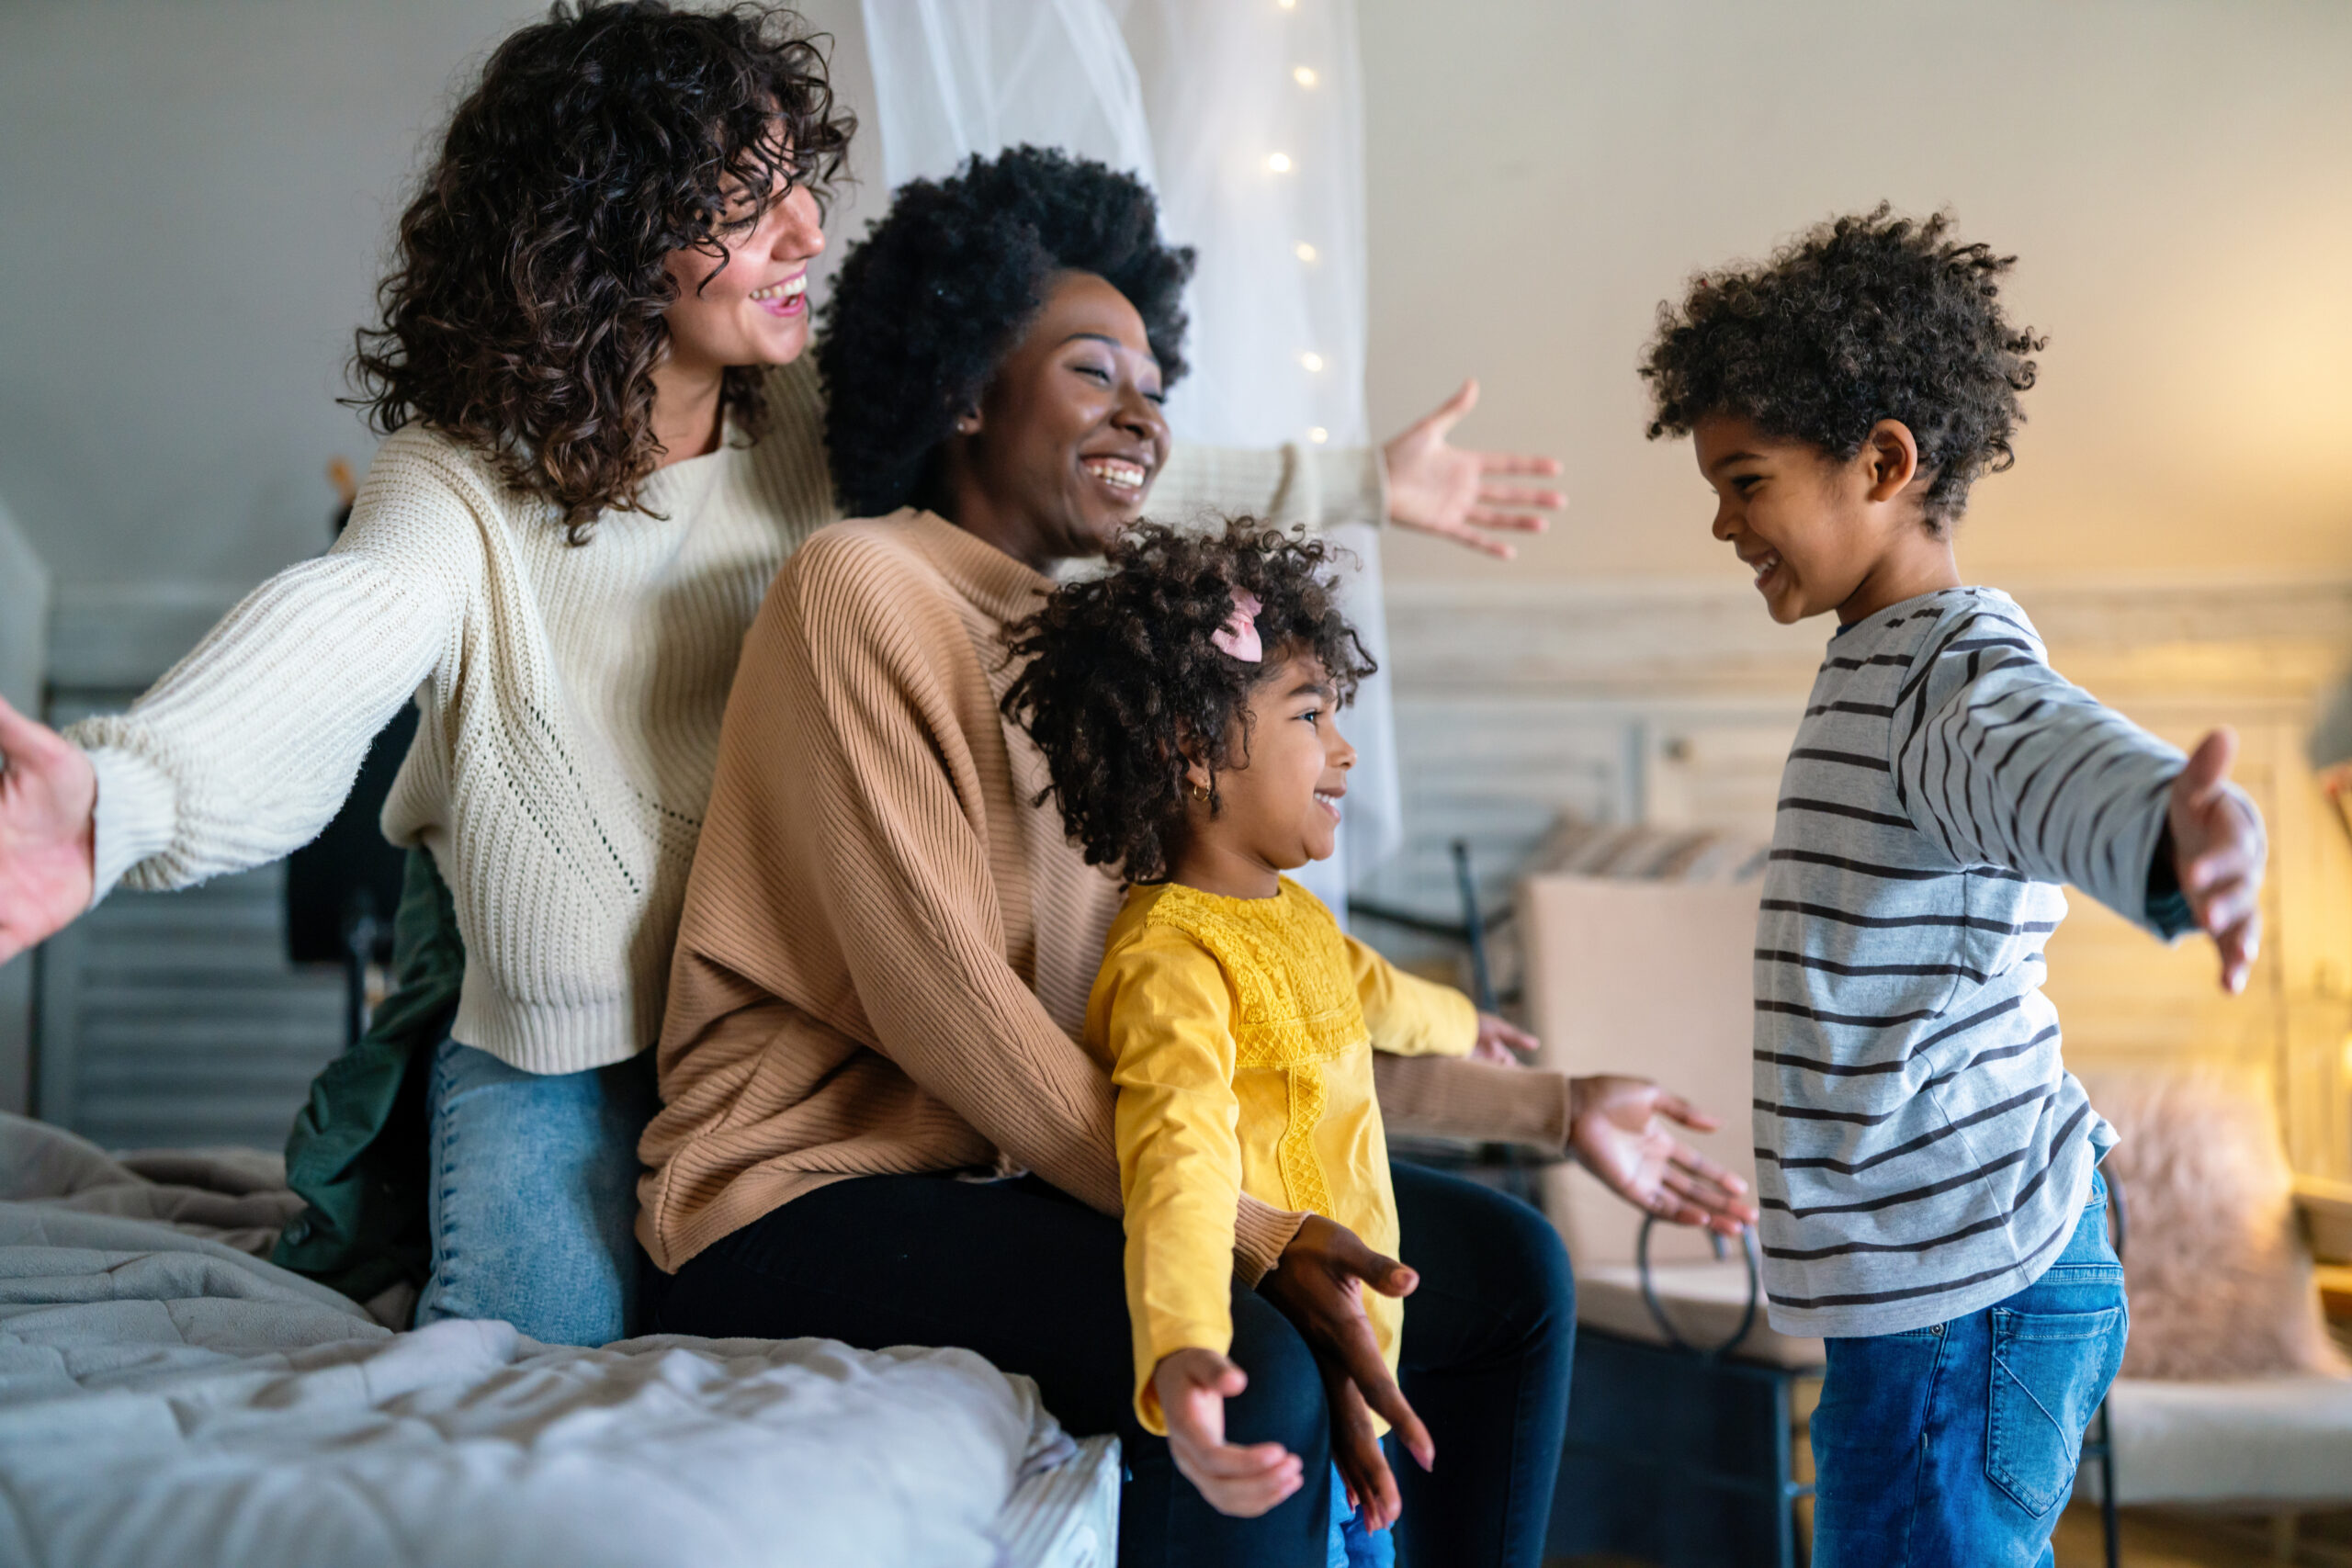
2109,1526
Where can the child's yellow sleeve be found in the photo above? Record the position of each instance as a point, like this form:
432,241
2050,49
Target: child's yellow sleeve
1408,1016
1168,1012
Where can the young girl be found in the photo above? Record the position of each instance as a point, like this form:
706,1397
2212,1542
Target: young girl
1185,704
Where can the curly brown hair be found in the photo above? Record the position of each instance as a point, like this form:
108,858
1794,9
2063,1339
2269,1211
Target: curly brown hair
525,315
1864,317
1121,684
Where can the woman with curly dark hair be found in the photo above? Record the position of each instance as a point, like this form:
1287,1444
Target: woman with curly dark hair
887,949
602,439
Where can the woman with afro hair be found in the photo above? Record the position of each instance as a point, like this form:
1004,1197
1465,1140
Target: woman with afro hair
602,438
888,945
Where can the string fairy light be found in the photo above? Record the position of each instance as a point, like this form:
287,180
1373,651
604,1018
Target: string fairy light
1306,252
1304,75
1312,360
1278,162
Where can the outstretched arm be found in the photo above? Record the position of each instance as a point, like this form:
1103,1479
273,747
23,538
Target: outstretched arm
1419,481
2006,763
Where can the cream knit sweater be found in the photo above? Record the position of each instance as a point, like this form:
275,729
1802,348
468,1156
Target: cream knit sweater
571,699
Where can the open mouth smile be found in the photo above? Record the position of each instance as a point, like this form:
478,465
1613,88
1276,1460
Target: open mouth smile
1329,801
1118,474
789,298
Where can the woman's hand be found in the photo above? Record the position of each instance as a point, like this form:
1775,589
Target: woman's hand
1315,1286
48,799
1502,1042
2218,853
1192,1386
1437,487
1615,1133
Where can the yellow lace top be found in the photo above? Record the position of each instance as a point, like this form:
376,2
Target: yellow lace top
1240,1033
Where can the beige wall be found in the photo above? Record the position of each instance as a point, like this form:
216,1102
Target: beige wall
2175,177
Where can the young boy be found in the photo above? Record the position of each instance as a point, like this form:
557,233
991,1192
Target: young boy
1927,1166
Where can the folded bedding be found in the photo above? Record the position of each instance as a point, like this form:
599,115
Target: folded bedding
167,1398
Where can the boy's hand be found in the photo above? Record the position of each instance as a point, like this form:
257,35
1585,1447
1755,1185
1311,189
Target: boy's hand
1501,1042
1614,1132
1192,1386
49,797
2218,854
1355,1449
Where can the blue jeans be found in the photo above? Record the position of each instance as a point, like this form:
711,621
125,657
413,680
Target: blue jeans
532,1200
1954,1446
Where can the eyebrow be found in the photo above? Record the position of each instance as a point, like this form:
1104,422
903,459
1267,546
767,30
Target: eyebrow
1096,337
1730,457
1314,689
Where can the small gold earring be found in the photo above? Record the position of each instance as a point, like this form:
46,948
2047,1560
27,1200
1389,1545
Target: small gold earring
1199,792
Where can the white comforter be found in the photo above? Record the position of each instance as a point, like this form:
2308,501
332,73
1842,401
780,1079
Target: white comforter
166,1399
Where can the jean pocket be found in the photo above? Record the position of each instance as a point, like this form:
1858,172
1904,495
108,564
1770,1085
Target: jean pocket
2050,1370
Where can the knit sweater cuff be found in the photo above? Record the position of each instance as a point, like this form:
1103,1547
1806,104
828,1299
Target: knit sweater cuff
1350,484
1260,1233
137,811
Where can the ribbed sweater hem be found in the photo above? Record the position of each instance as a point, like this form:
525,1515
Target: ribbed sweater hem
542,1038
137,816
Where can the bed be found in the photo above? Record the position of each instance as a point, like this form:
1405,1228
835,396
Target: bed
167,1396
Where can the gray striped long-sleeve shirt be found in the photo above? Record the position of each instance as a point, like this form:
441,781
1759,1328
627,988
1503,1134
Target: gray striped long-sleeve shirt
1921,1149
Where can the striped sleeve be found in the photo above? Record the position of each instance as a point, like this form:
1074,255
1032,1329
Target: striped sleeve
2004,762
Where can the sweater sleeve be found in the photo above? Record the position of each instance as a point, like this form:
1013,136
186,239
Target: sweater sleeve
1406,1015
910,888
246,748
1169,1038
2007,765
1317,486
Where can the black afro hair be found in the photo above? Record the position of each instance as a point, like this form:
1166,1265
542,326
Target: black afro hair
1867,317
1121,676
931,301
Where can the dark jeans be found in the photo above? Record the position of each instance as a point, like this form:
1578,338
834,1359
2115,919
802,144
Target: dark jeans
1032,1280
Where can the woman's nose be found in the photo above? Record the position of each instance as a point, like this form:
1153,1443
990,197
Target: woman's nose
1140,417
802,233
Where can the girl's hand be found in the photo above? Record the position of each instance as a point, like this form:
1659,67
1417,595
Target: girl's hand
1614,1130
1502,1042
1437,487
2218,853
49,799
1192,1386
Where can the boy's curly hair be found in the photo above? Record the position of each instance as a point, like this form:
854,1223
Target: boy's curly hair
929,302
1864,317
524,315
1122,683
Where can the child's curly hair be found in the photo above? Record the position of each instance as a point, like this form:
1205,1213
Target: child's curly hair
1122,685
1864,317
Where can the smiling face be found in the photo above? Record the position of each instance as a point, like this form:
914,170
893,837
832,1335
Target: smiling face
1067,437
754,309
1280,808
1821,533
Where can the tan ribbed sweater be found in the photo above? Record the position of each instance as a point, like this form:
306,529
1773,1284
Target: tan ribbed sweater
571,700
886,948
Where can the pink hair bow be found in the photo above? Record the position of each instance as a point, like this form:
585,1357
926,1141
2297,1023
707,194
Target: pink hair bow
1238,636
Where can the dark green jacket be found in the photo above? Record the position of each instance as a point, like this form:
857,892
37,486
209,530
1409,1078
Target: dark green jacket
357,1153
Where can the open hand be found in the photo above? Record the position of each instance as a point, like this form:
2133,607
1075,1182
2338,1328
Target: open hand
1435,487
49,797
2218,854
1192,1386
1615,1133
1502,1042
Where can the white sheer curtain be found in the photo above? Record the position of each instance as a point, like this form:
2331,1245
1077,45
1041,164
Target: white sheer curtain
1247,117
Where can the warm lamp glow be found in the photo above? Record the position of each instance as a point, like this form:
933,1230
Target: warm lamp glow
1306,252
1278,161
1303,76
1318,436
1287,5
1311,359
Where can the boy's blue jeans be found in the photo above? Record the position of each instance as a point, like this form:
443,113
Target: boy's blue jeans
1954,1446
